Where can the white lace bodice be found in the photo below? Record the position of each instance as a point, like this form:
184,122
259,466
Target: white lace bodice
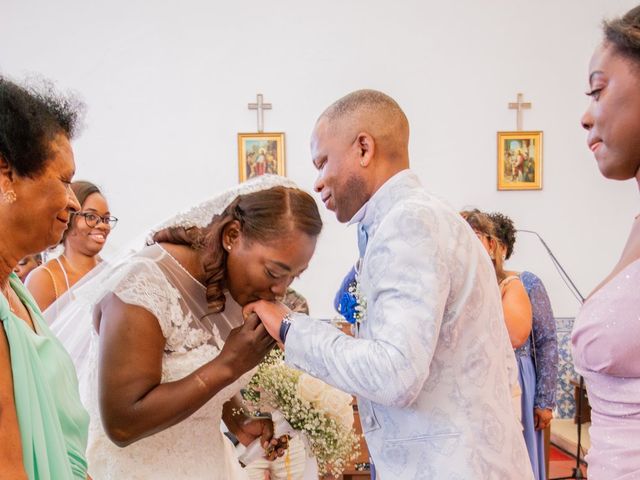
195,448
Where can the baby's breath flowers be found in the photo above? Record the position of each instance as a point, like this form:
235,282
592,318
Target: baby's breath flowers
323,414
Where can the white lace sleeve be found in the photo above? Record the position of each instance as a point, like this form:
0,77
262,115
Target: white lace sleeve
146,286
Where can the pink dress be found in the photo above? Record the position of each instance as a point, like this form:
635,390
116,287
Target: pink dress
606,351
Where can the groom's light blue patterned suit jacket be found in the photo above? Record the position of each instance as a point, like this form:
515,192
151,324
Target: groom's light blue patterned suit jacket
430,363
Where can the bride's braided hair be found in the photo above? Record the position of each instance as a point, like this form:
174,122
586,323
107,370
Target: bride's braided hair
263,216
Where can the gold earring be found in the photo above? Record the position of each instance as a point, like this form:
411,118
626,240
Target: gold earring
362,163
10,196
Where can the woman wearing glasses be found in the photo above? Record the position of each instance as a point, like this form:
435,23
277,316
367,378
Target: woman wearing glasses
83,241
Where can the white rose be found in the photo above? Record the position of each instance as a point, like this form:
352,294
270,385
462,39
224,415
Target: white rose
333,400
309,388
345,416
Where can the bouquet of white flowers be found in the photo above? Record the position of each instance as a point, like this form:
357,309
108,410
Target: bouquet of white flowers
323,414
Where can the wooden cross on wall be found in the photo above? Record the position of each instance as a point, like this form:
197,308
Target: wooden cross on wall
519,105
260,106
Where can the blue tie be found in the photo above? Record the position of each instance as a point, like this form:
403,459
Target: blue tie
363,237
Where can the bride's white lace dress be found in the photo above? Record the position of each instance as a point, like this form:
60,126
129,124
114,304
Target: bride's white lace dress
194,448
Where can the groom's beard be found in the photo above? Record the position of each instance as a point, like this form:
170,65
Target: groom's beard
351,197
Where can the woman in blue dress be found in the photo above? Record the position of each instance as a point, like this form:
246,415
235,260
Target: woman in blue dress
538,357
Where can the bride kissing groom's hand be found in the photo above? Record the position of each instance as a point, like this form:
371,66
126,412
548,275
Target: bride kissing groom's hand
271,315
246,345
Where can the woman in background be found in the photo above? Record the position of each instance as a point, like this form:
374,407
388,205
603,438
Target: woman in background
606,334
83,241
27,265
515,302
540,351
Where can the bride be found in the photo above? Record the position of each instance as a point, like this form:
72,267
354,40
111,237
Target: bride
168,349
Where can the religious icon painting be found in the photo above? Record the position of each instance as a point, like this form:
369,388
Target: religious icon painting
519,160
259,154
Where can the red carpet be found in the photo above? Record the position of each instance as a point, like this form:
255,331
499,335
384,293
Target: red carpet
561,464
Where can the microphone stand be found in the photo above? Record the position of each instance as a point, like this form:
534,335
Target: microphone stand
577,471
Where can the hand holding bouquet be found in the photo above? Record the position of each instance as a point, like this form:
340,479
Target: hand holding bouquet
323,414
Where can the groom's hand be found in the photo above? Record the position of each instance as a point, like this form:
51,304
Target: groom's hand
270,314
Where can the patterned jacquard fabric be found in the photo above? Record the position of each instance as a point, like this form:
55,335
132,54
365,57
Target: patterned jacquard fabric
431,361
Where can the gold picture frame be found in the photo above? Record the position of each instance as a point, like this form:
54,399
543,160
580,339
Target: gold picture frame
260,153
520,160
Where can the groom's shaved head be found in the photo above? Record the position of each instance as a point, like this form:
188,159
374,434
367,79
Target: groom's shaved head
373,112
357,144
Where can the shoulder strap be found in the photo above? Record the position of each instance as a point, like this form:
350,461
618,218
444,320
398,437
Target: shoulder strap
503,284
64,272
53,279
508,280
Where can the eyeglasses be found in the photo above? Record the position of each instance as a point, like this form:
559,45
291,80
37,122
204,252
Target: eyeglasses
92,220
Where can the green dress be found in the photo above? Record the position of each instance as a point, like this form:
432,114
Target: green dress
53,423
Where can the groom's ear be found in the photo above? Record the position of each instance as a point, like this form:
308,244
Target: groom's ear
230,235
366,146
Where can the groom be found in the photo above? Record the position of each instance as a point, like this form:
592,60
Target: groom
431,359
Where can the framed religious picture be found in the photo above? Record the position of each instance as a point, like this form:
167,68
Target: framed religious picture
260,153
519,160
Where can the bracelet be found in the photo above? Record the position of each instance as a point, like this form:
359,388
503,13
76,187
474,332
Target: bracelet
284,326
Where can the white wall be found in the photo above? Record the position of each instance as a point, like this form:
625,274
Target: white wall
167,83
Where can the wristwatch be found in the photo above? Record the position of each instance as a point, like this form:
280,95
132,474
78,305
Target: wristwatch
284,326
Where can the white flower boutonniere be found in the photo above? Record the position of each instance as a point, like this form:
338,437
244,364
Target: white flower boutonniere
359,307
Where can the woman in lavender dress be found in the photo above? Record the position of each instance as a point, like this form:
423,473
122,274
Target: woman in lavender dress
606,335
537,358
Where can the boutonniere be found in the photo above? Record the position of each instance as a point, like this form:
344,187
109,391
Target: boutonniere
353,304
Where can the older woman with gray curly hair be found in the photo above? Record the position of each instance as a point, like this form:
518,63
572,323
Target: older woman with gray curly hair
44,426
